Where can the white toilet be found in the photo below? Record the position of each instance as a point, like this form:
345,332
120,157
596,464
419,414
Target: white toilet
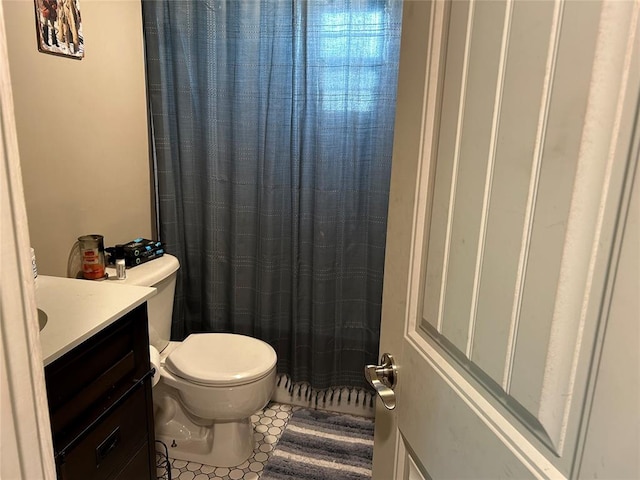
210,383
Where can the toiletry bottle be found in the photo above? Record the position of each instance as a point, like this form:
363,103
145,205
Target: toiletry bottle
120,264
34,268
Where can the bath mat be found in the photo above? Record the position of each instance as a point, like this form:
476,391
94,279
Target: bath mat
319,445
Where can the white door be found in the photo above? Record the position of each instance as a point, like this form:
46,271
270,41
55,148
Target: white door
513,163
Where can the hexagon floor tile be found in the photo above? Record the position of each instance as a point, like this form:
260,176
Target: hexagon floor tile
268,426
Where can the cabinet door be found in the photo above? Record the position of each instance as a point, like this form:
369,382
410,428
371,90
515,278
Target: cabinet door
138,467
110,444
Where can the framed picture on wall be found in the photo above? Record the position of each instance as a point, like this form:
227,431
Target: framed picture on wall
59,27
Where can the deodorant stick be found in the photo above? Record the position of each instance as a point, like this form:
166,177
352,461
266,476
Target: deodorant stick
121,272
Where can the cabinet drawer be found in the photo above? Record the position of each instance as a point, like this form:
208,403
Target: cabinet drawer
108,447
97,371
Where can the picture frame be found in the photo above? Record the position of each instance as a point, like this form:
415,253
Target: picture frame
59,28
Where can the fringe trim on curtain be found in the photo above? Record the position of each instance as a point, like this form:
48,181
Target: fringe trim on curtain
324,398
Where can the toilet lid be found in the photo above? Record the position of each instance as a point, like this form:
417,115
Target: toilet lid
221,359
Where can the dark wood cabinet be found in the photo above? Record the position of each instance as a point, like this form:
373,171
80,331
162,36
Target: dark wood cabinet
100,404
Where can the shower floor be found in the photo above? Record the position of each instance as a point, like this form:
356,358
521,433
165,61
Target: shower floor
268,424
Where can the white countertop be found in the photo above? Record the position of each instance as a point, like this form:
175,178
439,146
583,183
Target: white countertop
78,309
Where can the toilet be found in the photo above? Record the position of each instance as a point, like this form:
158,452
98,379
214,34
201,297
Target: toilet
210,383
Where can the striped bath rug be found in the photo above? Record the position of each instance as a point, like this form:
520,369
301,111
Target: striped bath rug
318,445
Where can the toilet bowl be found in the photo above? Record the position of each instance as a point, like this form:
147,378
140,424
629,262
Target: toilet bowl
210,383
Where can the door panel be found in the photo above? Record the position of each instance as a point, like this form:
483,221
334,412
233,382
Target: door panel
471,142
518,179
507,200
500,239
469,435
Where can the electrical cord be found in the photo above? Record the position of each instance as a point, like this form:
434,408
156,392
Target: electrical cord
163,464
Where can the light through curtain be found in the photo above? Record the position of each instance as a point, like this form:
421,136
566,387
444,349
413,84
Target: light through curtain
272,128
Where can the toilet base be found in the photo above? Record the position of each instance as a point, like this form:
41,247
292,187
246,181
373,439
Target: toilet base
219,444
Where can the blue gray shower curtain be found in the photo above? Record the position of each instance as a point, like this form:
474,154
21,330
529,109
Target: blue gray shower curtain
272,128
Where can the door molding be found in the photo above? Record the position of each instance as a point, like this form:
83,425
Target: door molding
26,445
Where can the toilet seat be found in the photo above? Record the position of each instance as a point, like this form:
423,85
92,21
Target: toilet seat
221,359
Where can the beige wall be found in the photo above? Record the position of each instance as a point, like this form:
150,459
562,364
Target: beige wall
82,130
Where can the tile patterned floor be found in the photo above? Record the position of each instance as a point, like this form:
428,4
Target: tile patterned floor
268,425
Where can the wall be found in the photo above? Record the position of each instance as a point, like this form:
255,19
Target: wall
82,130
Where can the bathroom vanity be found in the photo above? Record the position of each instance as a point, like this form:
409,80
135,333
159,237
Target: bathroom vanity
95,346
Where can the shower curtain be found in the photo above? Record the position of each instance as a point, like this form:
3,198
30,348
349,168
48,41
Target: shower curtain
272,126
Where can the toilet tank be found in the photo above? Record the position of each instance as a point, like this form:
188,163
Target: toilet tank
161,274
